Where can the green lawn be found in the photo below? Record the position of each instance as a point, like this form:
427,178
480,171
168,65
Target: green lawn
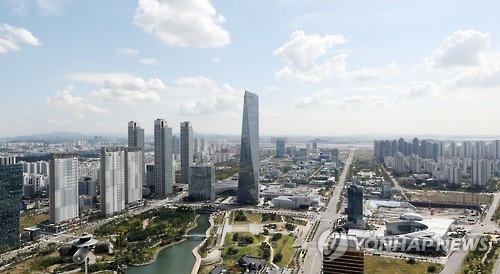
287,252
376,265
28,220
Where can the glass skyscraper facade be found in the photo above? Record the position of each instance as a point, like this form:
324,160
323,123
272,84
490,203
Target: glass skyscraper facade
136,139
11,185
202,182
355,205
186,151
248,183
163,158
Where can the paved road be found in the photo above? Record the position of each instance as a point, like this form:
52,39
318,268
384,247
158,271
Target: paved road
314,257
454,262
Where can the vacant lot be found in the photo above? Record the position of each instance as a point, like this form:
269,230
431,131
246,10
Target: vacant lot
376,265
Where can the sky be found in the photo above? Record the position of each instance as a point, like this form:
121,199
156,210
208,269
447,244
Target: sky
325,67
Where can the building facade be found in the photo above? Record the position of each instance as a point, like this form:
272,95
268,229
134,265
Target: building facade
11,185
121,178
186,151
202,185
163,158
63,189
355,205
280,148
248,182
136,139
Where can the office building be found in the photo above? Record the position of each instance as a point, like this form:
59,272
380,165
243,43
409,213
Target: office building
280,148
186,151
121,178
341,255
163,158
136,139
335,156
202,182
248,182
63,188
355,206
11,185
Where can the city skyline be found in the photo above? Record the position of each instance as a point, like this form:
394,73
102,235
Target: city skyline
360,69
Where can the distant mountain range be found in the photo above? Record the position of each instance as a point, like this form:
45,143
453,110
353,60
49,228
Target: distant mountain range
354,138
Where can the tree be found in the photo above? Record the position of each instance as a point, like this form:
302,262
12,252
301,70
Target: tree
232,251
432,268
276,237
277,257
411,261
289,226
236,236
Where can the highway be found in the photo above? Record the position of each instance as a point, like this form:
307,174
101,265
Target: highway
314,257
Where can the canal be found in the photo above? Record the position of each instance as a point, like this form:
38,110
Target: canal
176,259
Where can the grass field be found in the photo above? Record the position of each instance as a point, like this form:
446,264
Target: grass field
29,219
449,197
376,265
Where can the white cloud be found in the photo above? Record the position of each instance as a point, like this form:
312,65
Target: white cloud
420,91
214,100
325,98
149,61
182,23
216,60
50,7
317,98
196,82
129,90
303,53
462,48
11,38
121,87
97,77
64,100
127,51
268,113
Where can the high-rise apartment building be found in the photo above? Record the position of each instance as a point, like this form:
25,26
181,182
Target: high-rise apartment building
11,185
63,187
280,148
121,178
163,158
186,151
248,182
480,172
202,182
112,183
136,139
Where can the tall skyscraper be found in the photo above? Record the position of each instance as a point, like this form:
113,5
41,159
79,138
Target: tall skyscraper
280,148
355,205
202,182
121,178
11,187
112,180
248,182
186,151
136,139
63,190
163,158
335,156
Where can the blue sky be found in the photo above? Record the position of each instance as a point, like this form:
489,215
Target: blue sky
319,67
